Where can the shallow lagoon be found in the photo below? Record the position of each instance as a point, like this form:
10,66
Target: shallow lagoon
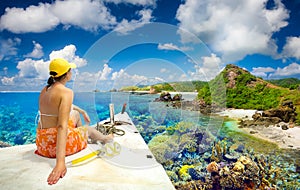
154,121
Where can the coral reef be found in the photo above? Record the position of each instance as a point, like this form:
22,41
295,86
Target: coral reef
212,167
16,128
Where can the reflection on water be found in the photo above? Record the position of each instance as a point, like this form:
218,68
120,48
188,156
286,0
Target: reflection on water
184,142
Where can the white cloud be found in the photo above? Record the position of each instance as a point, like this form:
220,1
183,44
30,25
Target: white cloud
85,81
5,69
37,51
68,53
233,29
33,74
134,2
262,71
291,69
46,16
8,47
122,78
167,46
105,72
86,14
89,15
32,19
292,47
163,70
8,81
126,26
208,70
171,46
29,68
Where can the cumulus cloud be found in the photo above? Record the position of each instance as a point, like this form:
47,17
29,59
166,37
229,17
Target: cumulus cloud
45,16
121,78
29,68
32,74
292,47
88,81
262,71
171,46
8,47
126,26
290,70
37,51
68,53
134,2
86,14
234,29
105,72
208,70
8,81
32,19
163,70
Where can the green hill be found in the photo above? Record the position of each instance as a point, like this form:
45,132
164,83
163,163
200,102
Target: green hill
235,87
291,83
185,86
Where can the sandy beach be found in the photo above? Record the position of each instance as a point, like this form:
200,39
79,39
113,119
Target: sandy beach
289,138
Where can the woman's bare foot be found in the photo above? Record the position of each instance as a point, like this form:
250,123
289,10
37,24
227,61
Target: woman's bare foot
108,138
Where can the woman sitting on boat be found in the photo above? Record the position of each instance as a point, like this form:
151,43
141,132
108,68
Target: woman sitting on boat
60,132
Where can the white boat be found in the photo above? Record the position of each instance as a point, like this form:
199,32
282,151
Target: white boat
133,167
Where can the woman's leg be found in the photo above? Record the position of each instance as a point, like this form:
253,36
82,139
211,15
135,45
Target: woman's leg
97,136
92,132
75,116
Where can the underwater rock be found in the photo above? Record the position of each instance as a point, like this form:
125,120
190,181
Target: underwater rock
19,139
240,148
284,127
4,144
194,175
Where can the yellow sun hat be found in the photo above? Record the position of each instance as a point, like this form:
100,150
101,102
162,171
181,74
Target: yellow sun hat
60,66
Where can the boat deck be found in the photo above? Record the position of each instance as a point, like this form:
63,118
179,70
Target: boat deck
133,168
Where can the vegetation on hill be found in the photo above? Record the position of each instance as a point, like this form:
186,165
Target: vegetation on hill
237,88
291,83
185,86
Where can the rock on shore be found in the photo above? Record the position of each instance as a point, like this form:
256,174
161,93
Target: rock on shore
285,135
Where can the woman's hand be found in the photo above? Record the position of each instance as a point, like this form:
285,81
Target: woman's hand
59,171
86,117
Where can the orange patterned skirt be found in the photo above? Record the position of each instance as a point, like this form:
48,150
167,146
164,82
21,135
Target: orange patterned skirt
46,140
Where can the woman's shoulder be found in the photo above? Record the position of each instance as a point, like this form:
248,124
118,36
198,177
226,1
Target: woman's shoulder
66,90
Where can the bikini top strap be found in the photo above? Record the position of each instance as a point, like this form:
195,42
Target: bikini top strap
39,114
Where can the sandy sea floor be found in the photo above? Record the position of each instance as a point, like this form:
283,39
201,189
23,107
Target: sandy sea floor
289,138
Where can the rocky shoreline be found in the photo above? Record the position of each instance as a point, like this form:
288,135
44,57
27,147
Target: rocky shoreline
274,125
285,135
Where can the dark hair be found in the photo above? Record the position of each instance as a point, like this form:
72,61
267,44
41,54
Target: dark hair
52,78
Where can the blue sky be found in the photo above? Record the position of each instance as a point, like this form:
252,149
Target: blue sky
128,42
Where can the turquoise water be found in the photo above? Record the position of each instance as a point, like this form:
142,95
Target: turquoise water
18,111
184,142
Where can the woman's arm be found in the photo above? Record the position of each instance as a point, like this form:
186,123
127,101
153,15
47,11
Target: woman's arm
60,169
86,117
